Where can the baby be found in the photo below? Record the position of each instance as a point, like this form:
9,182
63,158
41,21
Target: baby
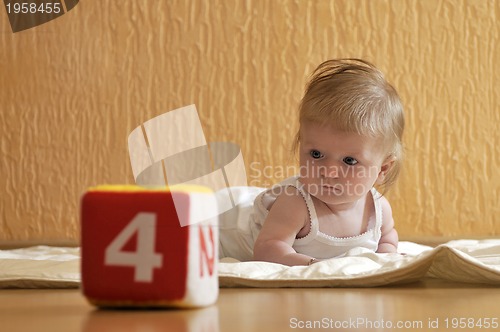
349,140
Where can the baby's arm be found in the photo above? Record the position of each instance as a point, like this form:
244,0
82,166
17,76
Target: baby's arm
286,218
389,240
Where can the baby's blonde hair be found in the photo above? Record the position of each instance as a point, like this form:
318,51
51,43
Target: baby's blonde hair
352,95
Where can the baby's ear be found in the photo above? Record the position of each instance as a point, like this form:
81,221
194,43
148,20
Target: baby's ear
385,168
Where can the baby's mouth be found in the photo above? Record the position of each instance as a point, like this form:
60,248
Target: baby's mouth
331,189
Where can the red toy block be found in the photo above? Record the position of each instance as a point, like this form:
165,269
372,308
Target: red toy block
135,252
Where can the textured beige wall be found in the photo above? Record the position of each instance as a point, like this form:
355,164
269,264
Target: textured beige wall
71,91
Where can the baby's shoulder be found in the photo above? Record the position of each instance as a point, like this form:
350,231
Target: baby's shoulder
385,206
289,210
289,199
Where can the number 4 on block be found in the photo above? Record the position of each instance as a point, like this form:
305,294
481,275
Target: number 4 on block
144,259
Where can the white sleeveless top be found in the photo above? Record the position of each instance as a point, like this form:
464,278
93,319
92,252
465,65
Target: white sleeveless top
317,244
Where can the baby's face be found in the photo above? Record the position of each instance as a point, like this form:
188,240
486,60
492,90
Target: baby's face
339,167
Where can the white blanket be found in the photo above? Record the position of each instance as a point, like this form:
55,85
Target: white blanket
469,261
40,267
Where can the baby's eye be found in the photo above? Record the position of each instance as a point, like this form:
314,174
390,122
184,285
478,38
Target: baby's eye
316,154
350,161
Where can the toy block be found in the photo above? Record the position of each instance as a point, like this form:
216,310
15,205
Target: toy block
134,251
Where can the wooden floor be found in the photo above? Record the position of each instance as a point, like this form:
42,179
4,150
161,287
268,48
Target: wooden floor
420,306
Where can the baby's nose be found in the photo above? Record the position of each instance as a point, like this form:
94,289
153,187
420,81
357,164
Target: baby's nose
330,171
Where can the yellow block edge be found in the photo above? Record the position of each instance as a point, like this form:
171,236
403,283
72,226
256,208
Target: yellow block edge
184,188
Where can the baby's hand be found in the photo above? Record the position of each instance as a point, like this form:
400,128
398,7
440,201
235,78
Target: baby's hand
314,261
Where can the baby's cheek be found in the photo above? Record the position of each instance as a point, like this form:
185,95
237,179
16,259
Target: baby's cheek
306,169
362,174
